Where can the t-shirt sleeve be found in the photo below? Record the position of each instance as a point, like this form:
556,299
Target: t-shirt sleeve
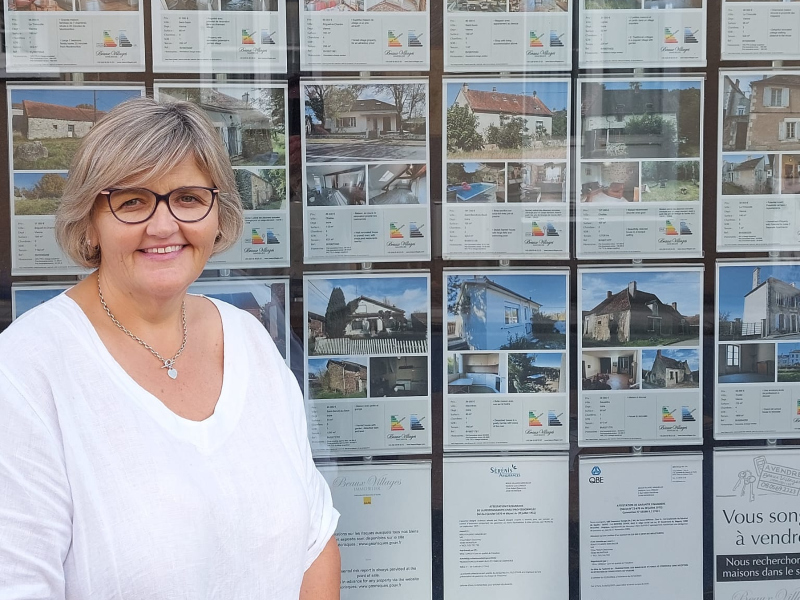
35,501
323,516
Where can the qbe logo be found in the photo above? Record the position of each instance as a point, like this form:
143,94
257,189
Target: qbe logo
595,478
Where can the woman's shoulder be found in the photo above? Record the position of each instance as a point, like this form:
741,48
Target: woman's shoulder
39,324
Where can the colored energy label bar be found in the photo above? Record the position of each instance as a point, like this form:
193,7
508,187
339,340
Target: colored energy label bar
394,40
397,424
247,37
671,229
666,415
108,41
394,231
669,36
552,419
255,238
536,41
533,420
555,39
413,39
686,414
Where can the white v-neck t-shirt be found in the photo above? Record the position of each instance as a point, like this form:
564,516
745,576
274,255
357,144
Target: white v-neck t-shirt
105,493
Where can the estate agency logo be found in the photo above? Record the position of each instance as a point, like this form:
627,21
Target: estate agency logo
596,475
509,471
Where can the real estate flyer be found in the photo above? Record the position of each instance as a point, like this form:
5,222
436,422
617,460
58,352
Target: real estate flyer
506,527
365,169
641,526
507,35
760,30
213,36
756,542
759,162
391,35
507,168
384,530
251,120
640,168
367,363
506,363
757,385
641,356
96,35
25,297
642,33
47,124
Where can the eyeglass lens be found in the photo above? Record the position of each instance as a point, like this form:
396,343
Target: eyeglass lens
136,205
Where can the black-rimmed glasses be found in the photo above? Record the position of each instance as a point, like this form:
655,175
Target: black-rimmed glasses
137,205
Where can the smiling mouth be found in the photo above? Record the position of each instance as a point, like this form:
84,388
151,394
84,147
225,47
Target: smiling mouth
163,250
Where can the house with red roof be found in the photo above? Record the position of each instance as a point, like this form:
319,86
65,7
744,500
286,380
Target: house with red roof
494,108
40,120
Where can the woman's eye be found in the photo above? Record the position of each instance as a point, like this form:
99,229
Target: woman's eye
132,203
188,199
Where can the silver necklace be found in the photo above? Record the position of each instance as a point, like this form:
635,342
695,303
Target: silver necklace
169,363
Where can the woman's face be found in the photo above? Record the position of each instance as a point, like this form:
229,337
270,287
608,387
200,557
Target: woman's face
162,256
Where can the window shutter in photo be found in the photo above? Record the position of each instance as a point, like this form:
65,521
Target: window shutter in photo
767,99
782,130
785,97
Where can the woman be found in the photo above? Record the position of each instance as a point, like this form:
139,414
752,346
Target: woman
152,443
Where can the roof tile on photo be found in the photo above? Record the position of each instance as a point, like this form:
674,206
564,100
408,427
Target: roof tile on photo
632,298
371,104
499,102
42,110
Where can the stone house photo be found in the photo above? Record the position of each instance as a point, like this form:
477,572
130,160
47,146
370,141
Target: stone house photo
502,312
634,316
48,124
774,118
670,368
261,189
337,378
748,174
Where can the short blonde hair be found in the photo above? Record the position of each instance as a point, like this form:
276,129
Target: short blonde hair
138,140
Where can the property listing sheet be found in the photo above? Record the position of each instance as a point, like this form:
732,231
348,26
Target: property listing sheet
229,36
251,120
641,356
507,35
505,527
759,161
757,358
760,30
506,363
46,125
367,363
640,167
25,297
67,36
642,33
756,538
641,526
506,159
384,530
365,169
391,35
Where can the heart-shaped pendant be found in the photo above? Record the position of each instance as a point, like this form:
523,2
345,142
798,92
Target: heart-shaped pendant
172,372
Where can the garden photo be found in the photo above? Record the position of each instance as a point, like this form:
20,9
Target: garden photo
506,312
249,119
48,124
373,123
367,315
38,193
538,373
657,118
261,189
500,120
670,181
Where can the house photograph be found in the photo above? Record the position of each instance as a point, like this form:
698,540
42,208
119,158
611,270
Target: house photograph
641,308
790,174
761,112
476,182
613,4
747,174
334,6
476,373
337,185
500,120
261,189
396,6
398,376
397,184
640,119
670,368
506,312
536,373
265,300
558,6
758,302
250,5
38,193
610,370
485,6
609,182
344,377
533,182
745,363
788,362
48,124
670,181
366,123
189,4
367,315
249,119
